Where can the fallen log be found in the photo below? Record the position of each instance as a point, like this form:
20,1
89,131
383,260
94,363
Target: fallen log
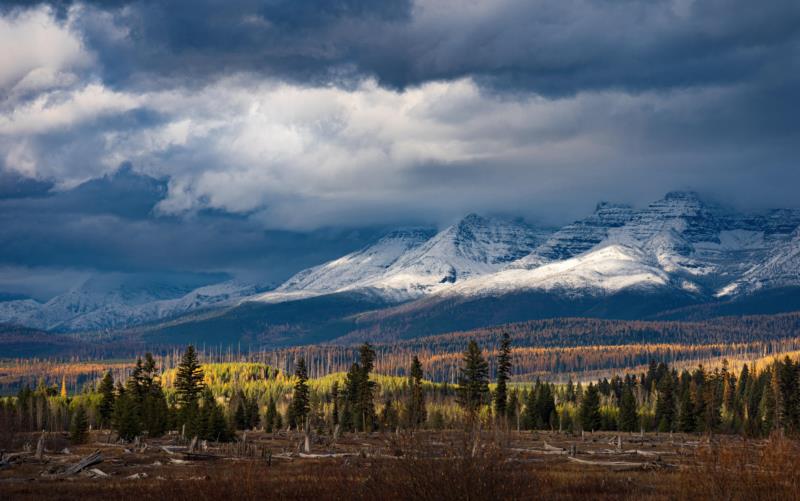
541,452
616,465
549,447
90,460
197,456
327,455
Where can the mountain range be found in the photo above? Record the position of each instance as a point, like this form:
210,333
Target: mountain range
678,257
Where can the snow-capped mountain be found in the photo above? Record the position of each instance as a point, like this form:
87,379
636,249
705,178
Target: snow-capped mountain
578,237
679,250
354,268
114,302
678,243
406,265
780,268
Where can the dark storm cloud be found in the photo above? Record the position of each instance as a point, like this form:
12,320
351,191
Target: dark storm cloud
108,225
551,48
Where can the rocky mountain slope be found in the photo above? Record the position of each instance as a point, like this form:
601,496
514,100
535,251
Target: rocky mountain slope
677,252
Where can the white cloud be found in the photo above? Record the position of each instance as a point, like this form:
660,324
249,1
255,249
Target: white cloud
39,52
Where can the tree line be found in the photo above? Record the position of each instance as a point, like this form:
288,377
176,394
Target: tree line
213,401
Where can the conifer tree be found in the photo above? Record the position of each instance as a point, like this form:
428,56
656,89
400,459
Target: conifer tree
271,417
417,413
473,384
300,398
335,400
126,416
665,404
188,388
105,409
628,418
503,373
514,407
686,416
544,405
79,427
590,409
365,405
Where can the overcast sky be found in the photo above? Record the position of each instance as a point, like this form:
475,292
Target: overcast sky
250,135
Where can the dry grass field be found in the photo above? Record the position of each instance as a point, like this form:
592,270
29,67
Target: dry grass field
425,465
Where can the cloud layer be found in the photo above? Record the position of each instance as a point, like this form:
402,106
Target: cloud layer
294,116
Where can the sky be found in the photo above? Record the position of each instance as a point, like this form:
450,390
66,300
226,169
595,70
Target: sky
253,138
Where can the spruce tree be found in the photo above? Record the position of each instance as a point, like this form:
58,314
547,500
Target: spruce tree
628,419
473,383
665,404
544,405
417,413
503,373
365,405
271,417
300,397
590,409
188,388
126,416
686,416
335,400
105,409
79,428
513,407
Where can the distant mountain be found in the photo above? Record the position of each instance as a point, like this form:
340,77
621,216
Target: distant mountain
678,257
122,300
407,265
678,243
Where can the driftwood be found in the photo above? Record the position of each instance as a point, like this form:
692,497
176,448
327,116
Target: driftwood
197,456
328,455
552,452
7,460
616,465
549,447
97,472
90,460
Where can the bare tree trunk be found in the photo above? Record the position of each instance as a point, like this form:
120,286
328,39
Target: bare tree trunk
40,447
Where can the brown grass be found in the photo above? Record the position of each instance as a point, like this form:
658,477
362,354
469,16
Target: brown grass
443,466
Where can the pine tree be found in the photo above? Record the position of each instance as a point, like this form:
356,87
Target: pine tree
151,399
503,373
530,416
417,413
687,414
665,404
300,397
359,407
189,379
514,405
270,419
590,409
365,405
64,386
79,428
544,405
105,409
188,388
628,419
126,416
473,384
335,400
